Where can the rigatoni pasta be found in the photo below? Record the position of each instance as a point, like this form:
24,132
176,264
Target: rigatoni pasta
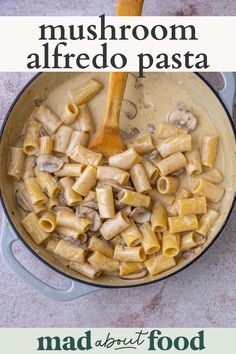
132,215
48,118
16,165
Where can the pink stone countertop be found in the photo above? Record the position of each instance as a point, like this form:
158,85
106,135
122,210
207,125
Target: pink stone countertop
204,295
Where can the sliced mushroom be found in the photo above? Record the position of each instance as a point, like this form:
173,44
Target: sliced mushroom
129,109
131,133
183,118
152,156
21,200
62,199
91,214
141,215
137,275
49,163
89,204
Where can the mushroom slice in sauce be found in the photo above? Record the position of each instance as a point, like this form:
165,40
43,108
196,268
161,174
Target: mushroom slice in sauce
49,163
137,275
141,215
91,214
129,109
21,200
182,118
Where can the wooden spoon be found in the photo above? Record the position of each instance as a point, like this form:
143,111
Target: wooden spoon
107,140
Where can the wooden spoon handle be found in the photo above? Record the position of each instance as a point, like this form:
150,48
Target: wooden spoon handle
129,7
117,80
116,87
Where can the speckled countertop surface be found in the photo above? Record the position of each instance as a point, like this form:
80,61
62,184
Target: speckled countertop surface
202,295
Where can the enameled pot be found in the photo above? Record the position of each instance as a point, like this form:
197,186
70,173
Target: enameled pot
219,105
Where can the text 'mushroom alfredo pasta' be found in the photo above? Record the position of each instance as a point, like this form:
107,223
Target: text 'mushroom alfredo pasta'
129,215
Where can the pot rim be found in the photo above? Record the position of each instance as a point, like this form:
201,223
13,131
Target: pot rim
90,282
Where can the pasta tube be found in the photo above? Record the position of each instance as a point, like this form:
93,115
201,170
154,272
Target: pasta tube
69,219
188,241
51,244
66,232
159,264
22,193
34,192
29,165
31,139
127,268
96,244
70,170
165,199
150,240
47,183
105,202
159,218
168,185
86,181
195,205
141,144
133,198
86,269
140,179
182,223
70,252
31,225
77,138
132,235
86,91
166,130
72,198
15,168
208,150
178,143
85,156
113,173
45,145
129,254
48,118
206,221
62,139
151,170
114,226
172,163
212,192
84,122
170,244
69,113
47,222
194,165
182,193
125,160
212,175
52,202
99,261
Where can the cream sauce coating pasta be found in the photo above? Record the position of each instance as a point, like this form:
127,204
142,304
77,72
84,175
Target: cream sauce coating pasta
91,204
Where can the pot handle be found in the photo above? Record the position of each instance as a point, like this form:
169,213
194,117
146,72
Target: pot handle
74,291
227,93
